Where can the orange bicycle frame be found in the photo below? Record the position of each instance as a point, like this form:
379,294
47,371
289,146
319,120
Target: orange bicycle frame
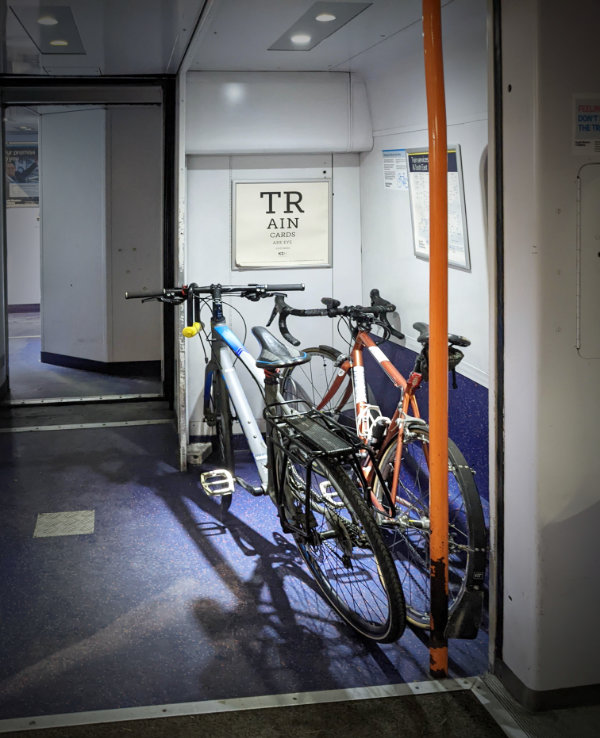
355,367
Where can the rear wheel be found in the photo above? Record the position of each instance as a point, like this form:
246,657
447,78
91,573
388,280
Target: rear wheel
408,537
344,550
219,415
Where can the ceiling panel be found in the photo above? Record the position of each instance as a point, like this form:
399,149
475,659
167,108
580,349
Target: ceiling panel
236,36
117,37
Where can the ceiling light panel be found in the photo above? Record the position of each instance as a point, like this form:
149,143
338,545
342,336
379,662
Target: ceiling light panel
317,24
52,28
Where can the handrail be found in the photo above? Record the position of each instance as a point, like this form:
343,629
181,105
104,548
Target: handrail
438,318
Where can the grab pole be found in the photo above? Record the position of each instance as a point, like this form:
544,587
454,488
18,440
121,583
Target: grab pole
438,335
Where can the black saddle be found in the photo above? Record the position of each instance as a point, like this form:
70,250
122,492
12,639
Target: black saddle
274,354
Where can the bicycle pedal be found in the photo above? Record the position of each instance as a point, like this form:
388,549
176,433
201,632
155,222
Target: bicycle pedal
217,483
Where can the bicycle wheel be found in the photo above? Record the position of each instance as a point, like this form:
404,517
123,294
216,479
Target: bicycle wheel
218,414
408,536
311,381
345,551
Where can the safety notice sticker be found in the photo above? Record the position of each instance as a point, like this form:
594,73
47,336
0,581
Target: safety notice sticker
587,126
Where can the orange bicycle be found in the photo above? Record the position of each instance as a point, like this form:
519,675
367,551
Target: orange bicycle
335,382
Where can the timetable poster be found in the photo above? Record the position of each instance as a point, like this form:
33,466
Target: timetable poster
418,181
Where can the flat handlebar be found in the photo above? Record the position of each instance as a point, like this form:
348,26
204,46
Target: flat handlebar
251,291
190,294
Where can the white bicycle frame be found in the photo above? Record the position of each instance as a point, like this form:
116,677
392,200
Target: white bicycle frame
227,341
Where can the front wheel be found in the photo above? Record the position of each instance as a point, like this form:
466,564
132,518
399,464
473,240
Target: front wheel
344,550
407,536
311,382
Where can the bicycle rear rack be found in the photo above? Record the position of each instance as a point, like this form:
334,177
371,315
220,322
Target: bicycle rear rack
306,437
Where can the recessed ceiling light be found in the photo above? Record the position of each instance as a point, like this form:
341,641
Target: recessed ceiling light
47,20
320,21
300,39
51,28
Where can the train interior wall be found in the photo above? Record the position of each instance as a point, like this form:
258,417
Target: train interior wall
549,505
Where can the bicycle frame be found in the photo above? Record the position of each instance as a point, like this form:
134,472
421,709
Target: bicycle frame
408,402
225,341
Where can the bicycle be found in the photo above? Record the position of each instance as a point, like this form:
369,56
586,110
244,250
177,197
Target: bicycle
301,464
335,382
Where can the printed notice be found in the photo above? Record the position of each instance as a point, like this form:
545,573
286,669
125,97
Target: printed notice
418,178
395,169
281,224
587,126
22,174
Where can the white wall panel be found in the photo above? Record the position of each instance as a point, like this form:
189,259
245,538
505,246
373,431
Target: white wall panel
23,255
552,511
395,81
271,112
135,231
73,217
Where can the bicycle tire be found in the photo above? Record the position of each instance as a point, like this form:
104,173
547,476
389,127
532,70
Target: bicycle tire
409,543
309,382
222,443
351,565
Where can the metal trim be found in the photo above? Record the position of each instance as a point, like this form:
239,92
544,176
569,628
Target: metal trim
80,426
292,699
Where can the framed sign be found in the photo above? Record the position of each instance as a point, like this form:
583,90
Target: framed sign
281,224
22,174
418,185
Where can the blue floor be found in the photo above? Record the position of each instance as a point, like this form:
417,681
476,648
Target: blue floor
162,603
31,379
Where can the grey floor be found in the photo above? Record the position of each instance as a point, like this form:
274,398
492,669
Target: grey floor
31,379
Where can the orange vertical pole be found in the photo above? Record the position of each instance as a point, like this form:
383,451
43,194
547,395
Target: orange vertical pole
438,334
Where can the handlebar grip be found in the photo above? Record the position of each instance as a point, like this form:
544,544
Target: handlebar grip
313,312
140,295
394,332
191,330
285,287
284,331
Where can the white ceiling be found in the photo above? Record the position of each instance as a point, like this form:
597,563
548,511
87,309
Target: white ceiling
119,37
236,35
132,37
156,37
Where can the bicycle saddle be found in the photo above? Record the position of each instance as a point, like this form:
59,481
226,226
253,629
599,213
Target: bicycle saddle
274,354
453,339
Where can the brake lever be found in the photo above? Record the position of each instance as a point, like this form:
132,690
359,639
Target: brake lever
272,318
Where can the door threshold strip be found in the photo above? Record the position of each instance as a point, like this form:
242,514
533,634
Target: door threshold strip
78,426
475,684
94,398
